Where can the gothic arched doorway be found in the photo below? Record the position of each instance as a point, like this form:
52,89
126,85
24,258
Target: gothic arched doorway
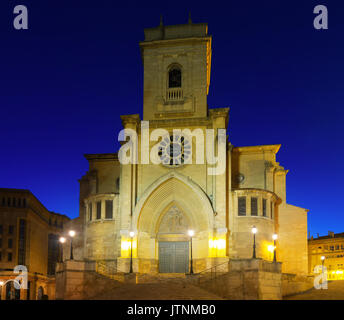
173,242
156,224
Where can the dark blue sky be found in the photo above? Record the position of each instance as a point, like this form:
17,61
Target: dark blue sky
65,82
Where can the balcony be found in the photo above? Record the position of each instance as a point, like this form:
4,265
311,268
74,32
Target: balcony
174,94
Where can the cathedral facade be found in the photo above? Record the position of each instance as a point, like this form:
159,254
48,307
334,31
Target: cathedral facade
160,218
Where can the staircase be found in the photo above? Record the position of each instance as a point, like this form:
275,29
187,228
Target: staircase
159,286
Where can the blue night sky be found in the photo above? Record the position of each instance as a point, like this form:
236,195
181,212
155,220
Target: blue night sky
65,82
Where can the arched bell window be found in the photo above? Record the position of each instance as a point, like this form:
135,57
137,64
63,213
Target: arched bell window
175,78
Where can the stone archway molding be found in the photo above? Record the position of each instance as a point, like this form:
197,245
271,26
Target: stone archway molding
162,192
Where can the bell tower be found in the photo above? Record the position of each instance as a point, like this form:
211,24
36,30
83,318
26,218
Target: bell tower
176,62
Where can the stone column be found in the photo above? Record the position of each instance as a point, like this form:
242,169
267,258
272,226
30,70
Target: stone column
126,197
219,119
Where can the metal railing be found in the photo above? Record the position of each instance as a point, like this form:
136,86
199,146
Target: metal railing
212,273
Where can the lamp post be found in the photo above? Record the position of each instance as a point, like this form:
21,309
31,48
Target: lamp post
191,234
274,237
62,240
254,231
131,234
72,235
322,263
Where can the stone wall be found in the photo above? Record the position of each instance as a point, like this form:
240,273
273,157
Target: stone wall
292,246
248,279
77,280
293,284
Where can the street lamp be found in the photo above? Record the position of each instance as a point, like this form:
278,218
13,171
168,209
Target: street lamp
254,231
274,238
62,240
72,235
191,234
322,263
131,234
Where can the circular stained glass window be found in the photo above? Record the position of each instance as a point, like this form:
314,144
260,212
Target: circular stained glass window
174,150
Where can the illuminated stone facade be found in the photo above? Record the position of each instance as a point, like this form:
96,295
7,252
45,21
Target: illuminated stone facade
159,203
28,236
331,247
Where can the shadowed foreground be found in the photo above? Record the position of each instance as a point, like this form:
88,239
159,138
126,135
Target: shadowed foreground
157,291
335,291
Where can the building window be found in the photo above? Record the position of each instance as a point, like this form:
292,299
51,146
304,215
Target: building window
10,243
254,207
22,242
99,210
109,209
9,202
175,78
14,202
90,211
24,203
264,207
332,248
4,202
272,210
0,243
9,256
242,206
53,253
10,229
19,202
1,229
0,255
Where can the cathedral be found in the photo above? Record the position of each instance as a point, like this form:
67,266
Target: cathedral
182,215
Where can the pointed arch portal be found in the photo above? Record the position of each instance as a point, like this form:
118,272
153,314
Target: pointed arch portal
167,209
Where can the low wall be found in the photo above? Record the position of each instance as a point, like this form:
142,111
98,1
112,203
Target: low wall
247,279
294,284
77,280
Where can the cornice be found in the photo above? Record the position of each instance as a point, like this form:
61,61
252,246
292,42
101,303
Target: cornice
274,148
102,157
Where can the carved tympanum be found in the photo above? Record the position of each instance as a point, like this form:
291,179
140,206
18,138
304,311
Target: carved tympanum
174,222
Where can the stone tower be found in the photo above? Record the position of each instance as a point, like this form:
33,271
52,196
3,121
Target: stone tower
177,61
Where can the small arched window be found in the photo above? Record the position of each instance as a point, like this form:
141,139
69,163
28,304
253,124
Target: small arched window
175,78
